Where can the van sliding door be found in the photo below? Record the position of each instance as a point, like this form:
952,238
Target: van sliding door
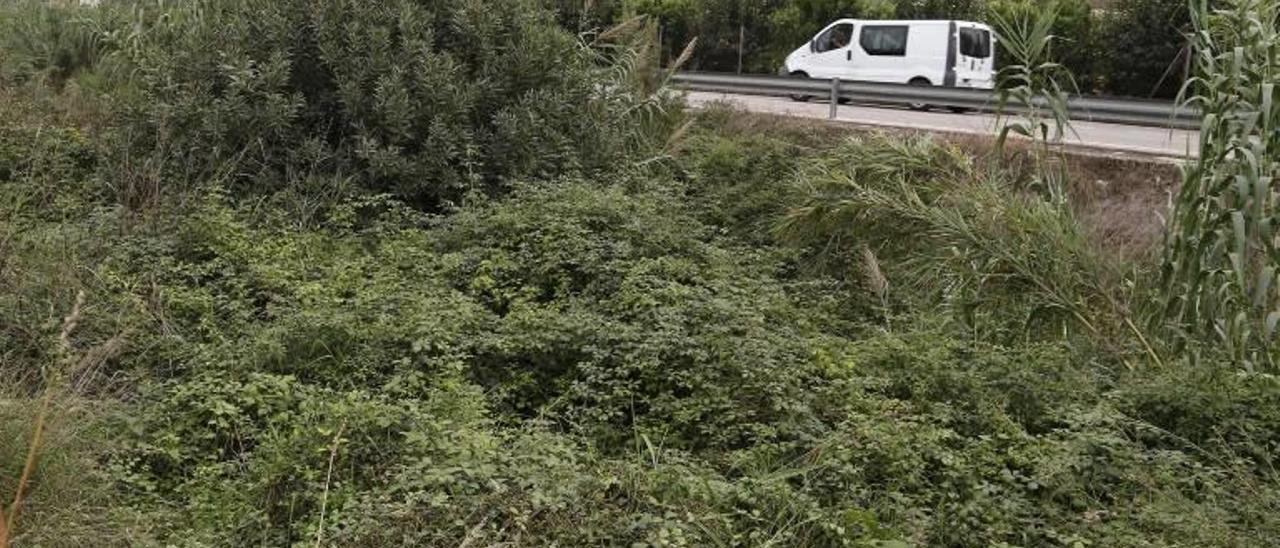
880,53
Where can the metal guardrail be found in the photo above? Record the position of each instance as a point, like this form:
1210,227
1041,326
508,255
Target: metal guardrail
1080,107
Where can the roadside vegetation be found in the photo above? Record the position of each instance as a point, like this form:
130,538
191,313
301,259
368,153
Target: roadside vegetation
347,273
1121,47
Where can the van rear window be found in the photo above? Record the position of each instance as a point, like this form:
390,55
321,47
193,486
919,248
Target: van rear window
975,43
884,39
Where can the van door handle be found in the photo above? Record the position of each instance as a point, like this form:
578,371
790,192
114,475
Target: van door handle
848,55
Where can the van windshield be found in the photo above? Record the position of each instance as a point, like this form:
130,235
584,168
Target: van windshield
836,37
975,43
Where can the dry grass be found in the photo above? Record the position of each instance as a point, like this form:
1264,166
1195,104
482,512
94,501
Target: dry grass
37,105
1120,199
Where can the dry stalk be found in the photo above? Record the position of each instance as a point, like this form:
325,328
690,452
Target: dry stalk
4,529
328,480
874,277
69,324
623,29
685,55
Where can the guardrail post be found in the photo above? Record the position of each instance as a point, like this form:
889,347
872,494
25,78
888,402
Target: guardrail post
835,97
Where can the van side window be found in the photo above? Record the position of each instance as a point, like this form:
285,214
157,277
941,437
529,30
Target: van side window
836,37
975,43
884,39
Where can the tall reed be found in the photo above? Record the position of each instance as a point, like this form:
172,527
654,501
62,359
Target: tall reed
1221,251
1032,90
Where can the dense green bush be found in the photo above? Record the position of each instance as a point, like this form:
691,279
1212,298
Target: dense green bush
425,101
620,311
1140,47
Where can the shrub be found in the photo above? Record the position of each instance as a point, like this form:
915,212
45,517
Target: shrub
1189,407
980,450
425,101
266,457
1141,46
742,180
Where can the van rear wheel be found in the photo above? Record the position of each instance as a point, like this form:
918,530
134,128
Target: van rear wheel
919,82
799,97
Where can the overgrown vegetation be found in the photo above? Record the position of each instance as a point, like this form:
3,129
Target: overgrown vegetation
445,274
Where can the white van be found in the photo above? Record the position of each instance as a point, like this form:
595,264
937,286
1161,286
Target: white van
922,53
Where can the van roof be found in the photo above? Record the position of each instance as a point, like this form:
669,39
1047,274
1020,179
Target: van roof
912,22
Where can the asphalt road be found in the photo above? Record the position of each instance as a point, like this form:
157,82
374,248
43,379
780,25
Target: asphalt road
1112,138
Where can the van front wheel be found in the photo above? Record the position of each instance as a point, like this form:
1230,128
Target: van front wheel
796,96
919,82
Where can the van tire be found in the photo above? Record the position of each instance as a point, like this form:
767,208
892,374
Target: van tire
797,97
919,81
